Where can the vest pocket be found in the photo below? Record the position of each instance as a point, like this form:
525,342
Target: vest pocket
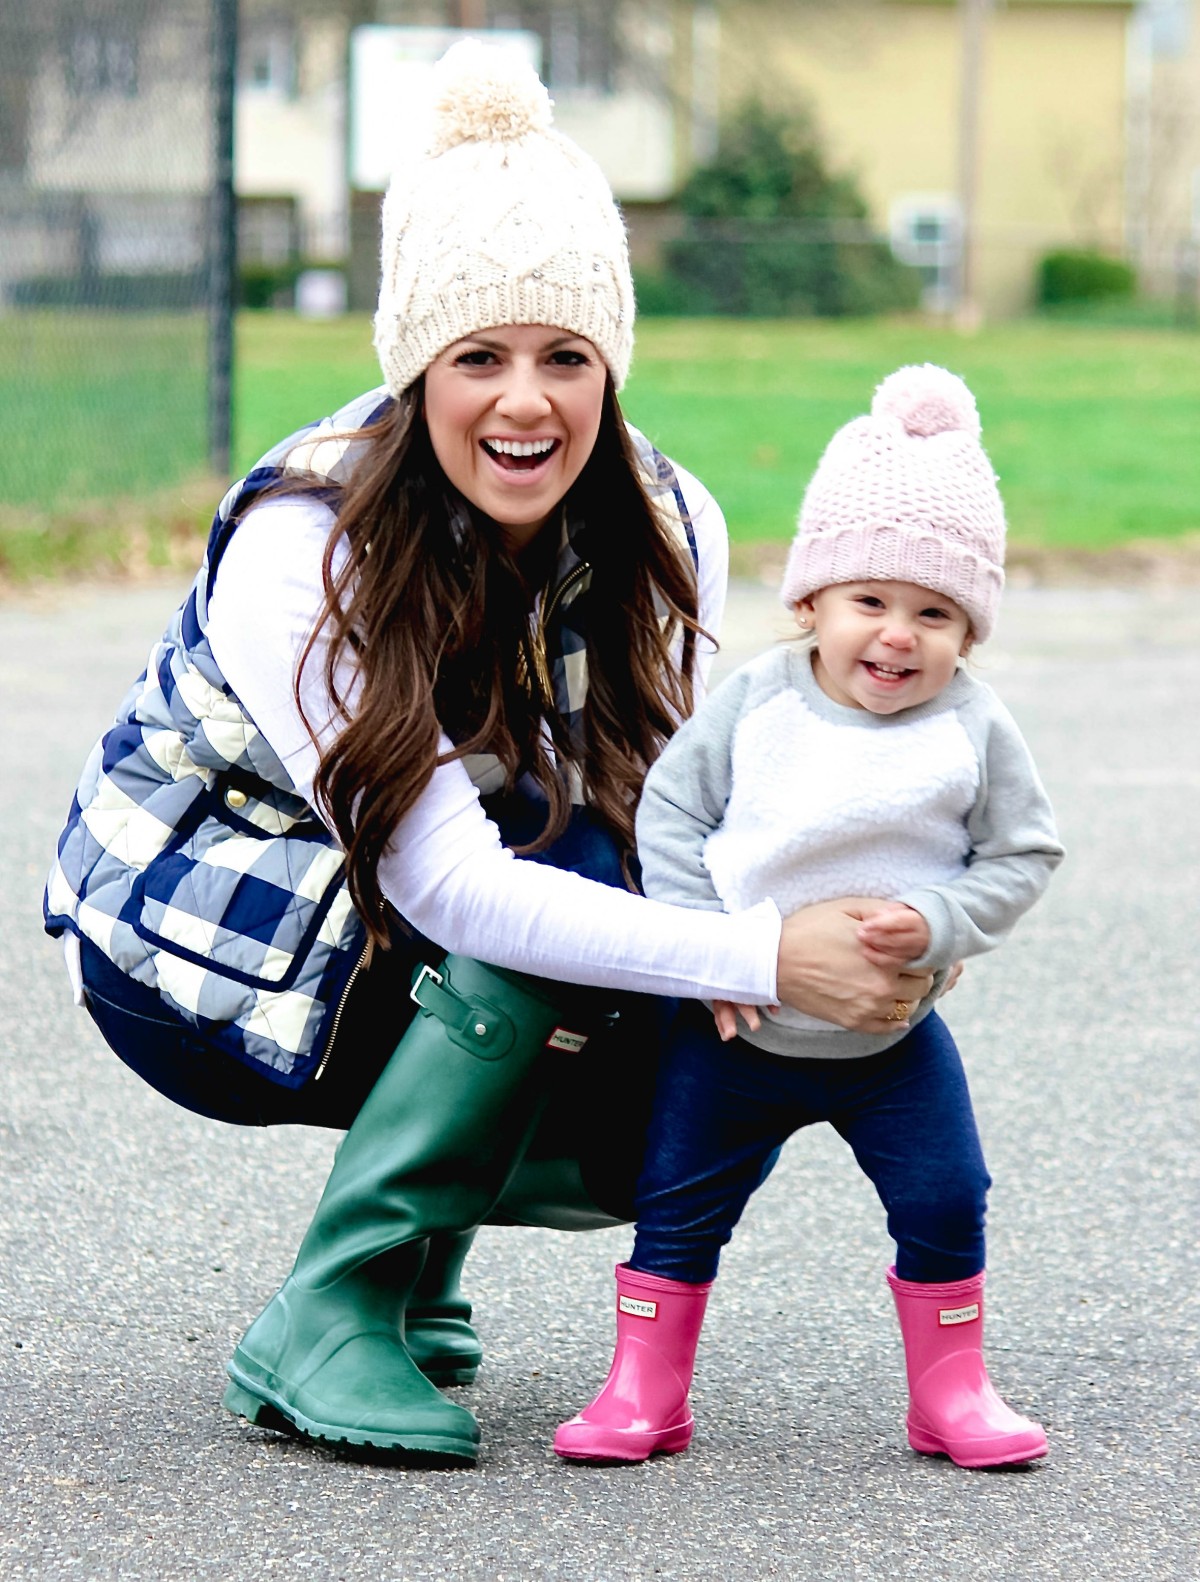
247,892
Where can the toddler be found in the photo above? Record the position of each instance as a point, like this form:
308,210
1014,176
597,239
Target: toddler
863,762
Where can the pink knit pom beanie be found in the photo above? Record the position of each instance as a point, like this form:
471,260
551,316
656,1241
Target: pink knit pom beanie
496,218
906,494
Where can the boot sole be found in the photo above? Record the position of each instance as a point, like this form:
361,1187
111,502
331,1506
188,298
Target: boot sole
927,1445
448,1367
639,1447
603,1459
271,1411
445,1378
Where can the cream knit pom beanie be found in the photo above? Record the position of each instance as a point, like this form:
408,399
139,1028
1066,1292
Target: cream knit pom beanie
906,495
497,219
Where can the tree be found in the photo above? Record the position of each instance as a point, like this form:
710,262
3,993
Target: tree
771,231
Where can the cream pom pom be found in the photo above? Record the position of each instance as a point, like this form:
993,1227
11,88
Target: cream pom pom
484,93
927,400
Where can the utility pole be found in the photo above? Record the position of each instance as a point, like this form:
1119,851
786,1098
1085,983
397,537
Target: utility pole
705,83
974,21
222,270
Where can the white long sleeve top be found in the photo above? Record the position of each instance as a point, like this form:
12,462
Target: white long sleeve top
446,869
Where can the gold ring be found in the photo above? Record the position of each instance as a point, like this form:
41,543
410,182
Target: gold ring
899,1012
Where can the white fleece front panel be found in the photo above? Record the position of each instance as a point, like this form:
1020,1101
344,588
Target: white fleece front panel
820,810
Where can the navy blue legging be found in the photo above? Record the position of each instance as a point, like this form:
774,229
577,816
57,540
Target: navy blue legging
600,1105
721,1109
168,1053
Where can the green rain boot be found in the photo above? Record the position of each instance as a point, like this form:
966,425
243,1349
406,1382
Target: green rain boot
547,1190
430,1152
437,1322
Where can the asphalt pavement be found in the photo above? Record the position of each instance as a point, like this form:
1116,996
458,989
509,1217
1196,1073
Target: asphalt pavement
138,1241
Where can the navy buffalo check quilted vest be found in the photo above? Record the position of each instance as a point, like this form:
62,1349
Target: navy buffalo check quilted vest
189,859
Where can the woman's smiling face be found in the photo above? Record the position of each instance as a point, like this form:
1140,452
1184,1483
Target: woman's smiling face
513,414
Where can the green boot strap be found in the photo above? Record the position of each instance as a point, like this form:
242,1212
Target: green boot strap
474,1024
477,1024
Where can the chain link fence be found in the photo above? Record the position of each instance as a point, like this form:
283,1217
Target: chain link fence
113,290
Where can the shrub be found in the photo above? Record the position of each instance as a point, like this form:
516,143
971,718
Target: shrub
772,232
665,295
1082,276
161,291
267,285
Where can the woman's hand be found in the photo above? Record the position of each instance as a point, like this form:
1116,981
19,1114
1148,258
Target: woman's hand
823,971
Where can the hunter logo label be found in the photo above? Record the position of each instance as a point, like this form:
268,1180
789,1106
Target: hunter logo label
560,1038
639,1309
959,1315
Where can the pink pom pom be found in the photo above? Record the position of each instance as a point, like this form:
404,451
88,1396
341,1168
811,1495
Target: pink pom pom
927,400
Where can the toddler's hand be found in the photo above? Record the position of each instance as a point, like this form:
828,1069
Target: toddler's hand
893,933
725,1016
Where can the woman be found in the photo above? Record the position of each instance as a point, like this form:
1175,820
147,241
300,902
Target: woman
432,651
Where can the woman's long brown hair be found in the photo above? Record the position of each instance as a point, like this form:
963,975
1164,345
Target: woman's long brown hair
434,614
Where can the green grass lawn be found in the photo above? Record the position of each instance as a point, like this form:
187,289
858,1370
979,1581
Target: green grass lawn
1094,429
99,404
1095,432
103,445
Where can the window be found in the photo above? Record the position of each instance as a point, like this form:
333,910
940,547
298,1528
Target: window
1170,27
267,59
926,232
267,230
102,58
579,40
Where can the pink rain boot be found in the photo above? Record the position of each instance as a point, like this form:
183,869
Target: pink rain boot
953,1409
643,1408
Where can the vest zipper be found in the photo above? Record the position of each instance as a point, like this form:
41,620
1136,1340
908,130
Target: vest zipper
539,637
337,1015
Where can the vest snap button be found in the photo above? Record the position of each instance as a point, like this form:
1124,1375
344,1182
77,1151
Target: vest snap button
235,798
480,1028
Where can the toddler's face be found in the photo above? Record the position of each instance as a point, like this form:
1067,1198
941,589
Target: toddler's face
884,646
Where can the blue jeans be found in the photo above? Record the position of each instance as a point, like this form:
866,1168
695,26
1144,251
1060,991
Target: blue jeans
721,1109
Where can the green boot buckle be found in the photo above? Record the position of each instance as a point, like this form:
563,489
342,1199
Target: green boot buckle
476,1025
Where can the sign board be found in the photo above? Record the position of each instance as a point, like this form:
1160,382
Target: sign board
389,89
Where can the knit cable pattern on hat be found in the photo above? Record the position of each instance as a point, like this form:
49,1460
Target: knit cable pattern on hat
906,494
498,219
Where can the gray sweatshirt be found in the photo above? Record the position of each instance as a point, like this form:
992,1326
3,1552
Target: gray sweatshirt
772,790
